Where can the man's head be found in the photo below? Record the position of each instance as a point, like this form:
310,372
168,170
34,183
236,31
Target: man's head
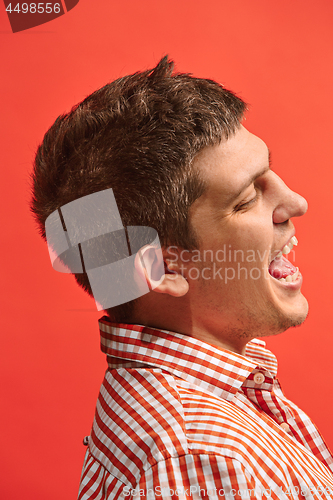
139,136
243,222
237,284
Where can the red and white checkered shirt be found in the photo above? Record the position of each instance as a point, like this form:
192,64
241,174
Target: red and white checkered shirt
177,418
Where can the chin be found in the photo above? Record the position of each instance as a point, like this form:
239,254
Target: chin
295,318
281,317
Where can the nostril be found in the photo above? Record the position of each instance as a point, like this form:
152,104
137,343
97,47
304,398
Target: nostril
281,215
294,206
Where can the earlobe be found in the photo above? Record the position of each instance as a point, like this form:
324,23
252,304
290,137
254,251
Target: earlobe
160,276
173,284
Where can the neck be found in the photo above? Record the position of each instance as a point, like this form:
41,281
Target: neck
175,314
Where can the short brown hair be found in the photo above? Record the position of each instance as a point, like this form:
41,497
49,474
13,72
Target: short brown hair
137,135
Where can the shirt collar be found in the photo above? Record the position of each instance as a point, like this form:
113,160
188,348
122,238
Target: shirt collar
214,369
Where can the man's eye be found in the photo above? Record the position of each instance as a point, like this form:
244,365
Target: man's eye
246,205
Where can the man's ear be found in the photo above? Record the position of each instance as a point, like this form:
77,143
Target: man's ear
161,276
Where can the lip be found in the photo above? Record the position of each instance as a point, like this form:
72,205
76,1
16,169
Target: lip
284,244
289,285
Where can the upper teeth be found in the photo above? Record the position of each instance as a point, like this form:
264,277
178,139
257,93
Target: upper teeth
287,248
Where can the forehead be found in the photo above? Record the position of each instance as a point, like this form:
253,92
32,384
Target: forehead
227,167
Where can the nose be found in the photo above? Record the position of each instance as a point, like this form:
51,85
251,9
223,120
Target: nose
289,204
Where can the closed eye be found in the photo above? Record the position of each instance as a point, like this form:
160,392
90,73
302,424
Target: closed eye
244,206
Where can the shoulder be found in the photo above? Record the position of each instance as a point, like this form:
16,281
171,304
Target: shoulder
148,416
139,421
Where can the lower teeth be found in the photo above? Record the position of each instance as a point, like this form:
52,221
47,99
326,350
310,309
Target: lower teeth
291,277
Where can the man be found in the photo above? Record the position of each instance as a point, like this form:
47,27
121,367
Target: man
190,405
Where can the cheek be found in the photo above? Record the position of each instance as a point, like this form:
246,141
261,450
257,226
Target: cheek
244,261
231,276
250,250
241,248
256,236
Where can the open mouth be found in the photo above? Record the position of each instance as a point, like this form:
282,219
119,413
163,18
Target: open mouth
280,268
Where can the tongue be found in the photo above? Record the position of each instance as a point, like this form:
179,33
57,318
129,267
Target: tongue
281,268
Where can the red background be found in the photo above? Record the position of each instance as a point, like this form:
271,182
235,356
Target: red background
276,54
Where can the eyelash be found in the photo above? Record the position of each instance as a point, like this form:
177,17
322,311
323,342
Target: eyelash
243,206
247,204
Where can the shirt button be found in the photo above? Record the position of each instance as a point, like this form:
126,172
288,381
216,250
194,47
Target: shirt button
285,426
86,440
259,378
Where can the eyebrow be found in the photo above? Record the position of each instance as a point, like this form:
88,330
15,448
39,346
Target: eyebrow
248,182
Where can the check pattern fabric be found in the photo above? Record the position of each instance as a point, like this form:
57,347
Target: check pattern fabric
177,418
